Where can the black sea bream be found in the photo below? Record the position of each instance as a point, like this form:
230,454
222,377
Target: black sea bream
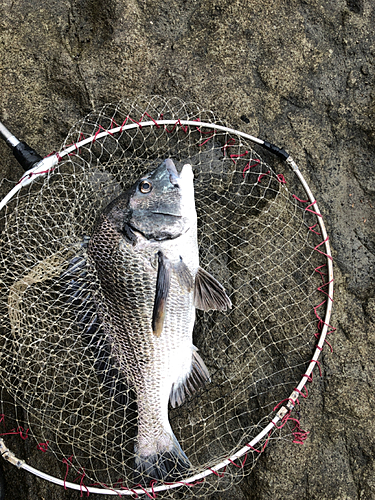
145,252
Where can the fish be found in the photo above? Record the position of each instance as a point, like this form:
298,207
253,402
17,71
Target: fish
144,249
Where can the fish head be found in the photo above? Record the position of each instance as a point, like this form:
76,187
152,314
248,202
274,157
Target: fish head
161,205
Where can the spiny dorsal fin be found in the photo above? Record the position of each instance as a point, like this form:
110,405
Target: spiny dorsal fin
76,296
194,380
209,293
163,282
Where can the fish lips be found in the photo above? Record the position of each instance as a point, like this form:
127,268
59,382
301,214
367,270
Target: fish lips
174,177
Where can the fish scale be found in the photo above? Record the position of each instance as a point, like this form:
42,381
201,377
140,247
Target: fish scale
148,362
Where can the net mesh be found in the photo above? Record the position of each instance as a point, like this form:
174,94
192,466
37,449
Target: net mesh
255,236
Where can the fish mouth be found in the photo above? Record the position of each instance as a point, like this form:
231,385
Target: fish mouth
168,214
174,176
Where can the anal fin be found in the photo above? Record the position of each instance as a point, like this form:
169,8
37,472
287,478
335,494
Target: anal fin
193,381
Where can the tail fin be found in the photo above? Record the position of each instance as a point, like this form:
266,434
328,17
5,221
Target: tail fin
169,465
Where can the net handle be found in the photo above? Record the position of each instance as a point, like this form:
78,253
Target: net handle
24,154
48,164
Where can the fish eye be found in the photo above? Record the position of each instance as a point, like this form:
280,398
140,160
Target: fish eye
145,187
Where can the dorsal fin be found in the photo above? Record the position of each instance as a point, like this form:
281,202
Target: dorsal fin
209,293
76,296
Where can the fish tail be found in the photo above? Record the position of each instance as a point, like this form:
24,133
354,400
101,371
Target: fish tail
168,465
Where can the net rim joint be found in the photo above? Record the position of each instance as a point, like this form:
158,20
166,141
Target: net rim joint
9,456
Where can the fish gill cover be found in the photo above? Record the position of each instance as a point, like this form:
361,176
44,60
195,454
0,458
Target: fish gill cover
70,384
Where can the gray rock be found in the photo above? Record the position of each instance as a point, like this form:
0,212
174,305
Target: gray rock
299,74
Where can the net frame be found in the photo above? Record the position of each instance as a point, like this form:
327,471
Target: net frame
48,164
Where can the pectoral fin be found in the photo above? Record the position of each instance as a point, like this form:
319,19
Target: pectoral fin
163,282
209,293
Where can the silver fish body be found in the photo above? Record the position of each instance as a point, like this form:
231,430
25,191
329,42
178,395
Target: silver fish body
145,251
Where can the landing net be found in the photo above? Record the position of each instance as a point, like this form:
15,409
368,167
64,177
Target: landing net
260,234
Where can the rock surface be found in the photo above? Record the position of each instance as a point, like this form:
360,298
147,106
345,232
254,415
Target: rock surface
298,73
